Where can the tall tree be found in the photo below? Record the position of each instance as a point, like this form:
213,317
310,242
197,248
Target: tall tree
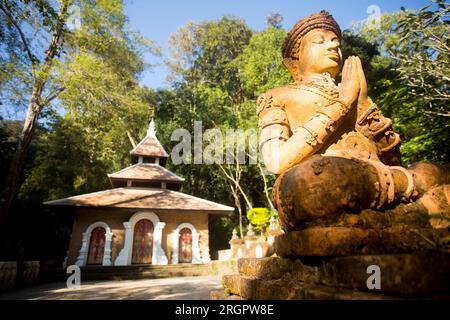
275,20
89,69
40,70
206,83
427,56
412,80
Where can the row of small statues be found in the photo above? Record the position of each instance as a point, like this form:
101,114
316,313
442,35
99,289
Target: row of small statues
252,245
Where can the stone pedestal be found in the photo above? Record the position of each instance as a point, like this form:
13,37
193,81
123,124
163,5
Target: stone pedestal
411,275
337,262
341,241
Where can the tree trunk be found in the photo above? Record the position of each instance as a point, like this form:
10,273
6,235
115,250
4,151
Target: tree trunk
237,203
240,221
132,141
17,163
34,109
266,187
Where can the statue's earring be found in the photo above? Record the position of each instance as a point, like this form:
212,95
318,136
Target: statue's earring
292,65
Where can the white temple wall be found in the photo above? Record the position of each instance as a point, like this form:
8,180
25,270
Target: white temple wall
115,220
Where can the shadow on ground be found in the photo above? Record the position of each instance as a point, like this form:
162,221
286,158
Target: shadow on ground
185,288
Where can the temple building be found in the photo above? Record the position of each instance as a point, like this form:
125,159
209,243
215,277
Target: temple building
143,219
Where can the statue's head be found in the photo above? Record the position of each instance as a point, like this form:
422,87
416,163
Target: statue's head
313,46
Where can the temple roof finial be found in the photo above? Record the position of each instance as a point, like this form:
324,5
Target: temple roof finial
151,129
150,145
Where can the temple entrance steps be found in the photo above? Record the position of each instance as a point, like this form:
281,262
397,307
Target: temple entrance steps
143,271
148,271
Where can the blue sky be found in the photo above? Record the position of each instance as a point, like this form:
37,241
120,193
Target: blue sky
157,19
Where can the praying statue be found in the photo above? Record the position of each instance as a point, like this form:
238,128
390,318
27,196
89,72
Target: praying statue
330,145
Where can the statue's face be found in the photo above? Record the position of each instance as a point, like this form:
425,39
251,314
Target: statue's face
320,52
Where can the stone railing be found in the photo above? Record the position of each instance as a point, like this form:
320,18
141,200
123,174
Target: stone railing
252,246
30,274
8,274
13,274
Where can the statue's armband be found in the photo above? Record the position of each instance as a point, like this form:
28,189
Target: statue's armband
326,120
303,140
273,121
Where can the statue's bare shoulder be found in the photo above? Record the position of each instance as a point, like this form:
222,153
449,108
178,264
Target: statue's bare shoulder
298,103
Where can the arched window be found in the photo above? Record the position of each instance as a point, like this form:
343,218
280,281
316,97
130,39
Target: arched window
185,246
143,242
96,246
143,238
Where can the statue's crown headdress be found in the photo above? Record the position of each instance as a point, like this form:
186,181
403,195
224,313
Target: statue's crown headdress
321,20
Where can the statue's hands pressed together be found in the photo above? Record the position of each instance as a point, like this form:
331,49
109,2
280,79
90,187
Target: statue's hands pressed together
364,101
349,88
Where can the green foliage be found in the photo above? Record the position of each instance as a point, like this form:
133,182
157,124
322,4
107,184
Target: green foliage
63,164
9,131
259,217
106,105
409,79
100,92
260,65
15,60
221,42
427,56
95,81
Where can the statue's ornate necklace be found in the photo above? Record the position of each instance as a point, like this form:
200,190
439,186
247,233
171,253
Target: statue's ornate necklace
323,83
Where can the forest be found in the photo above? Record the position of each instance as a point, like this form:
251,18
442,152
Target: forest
76,86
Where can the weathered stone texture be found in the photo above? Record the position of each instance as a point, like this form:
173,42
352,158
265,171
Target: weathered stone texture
328,241
341,241
221,295
252,288
420,274
276,268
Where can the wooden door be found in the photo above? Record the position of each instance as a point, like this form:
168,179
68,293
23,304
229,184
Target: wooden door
143,242
96,246
185,246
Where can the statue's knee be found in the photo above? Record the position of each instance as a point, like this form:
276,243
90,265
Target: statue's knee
322,186
427,175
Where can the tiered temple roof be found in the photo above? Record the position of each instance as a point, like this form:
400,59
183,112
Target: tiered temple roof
145,184
150,145
142,198
147,170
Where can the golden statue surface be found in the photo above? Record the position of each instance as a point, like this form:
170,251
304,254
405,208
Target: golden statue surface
331,146
356,224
